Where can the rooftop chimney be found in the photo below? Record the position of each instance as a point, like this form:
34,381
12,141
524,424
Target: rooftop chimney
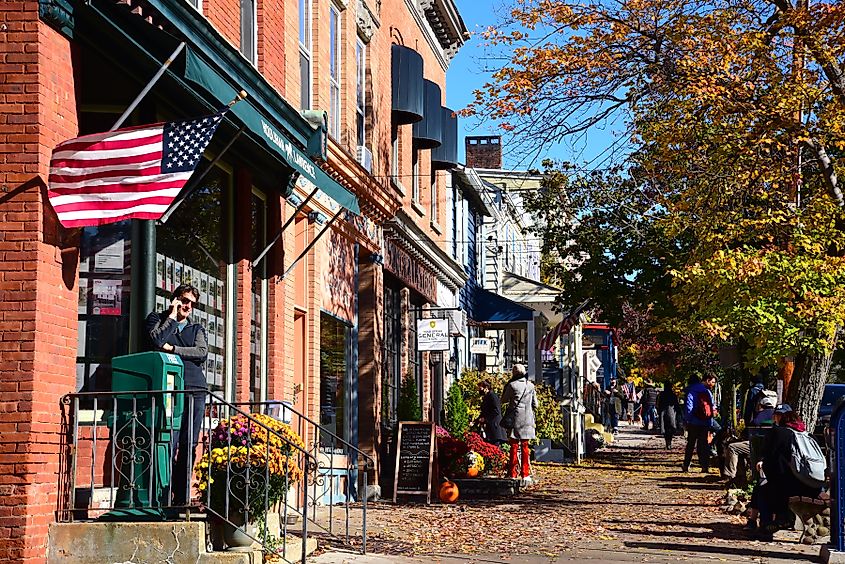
484,151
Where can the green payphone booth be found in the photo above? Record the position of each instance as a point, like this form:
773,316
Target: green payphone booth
143,426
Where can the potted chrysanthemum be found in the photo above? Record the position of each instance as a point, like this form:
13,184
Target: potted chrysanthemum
251,464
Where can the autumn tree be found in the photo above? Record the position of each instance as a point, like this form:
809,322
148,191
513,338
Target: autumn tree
734,112
603,238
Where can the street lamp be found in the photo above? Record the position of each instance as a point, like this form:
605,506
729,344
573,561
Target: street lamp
452,365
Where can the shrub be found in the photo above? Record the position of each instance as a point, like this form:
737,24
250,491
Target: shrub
468,383
457,418
409,408
549,415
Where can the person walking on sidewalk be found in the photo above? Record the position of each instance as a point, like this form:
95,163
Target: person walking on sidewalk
491,414
668,408
519,395
649,404
630,391
698,416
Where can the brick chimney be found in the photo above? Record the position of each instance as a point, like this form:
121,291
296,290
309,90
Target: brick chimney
484,151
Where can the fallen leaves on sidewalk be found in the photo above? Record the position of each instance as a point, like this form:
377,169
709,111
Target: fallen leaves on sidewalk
625,496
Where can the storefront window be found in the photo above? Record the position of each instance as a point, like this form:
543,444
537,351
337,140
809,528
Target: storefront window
104,284
392,355
415,366
258,316
194,247
334,374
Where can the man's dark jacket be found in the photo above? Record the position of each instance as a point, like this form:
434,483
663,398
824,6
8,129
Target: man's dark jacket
190,344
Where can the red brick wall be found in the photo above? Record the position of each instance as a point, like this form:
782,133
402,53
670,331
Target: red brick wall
226,17
243,290
39,259
37,279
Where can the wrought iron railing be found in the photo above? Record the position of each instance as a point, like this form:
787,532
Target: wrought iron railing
340,481
118,463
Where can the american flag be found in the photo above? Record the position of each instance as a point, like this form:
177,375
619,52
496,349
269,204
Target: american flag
131,173
549,340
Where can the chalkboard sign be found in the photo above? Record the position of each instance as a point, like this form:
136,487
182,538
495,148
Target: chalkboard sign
414,458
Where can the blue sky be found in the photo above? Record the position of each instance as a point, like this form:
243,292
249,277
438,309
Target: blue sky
465,74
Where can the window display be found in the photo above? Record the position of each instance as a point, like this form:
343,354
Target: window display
194,247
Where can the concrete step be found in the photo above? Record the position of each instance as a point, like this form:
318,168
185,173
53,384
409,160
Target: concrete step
175,542
107,543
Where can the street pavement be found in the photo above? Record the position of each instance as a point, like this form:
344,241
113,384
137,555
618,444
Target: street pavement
630,503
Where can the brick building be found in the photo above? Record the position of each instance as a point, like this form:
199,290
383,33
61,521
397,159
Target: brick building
343,96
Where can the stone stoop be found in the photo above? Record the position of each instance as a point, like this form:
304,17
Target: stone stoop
175,542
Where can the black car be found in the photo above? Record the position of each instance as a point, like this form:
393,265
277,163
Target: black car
830,398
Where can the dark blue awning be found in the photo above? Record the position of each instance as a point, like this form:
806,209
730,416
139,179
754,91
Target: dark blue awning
490,307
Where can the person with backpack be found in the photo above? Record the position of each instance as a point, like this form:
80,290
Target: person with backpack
752,398
698,416
791,465
739,451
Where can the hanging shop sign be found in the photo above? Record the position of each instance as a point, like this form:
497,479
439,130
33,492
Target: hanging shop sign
433,335
410,271
479,345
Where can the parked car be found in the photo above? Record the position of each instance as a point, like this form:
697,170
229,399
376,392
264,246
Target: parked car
830,398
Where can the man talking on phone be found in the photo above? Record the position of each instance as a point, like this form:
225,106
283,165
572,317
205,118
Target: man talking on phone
173,332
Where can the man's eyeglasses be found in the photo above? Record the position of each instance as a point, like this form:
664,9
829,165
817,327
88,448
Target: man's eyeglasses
187,301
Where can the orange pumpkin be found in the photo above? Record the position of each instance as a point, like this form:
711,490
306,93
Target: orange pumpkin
449,492
472,472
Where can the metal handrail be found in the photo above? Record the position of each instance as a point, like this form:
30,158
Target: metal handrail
288,407
136,442
328,472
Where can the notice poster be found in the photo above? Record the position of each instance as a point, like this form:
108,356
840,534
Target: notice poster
106,297
178,274
169,269
82,306
161,264
110,258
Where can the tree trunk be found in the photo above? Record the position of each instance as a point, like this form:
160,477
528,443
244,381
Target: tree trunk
807,385
729,399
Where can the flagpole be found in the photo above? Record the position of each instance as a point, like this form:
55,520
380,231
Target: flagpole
311,244
285,226
196,181
148,87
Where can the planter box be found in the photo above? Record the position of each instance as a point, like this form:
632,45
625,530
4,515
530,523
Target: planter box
486,488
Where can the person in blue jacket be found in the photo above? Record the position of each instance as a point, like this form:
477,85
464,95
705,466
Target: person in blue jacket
698,416
752,398
172,331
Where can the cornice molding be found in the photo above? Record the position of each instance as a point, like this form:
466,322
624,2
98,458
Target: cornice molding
428,34
414,240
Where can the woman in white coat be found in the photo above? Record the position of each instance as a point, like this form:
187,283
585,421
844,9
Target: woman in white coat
520,396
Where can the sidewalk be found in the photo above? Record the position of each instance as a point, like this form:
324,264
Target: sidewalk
630,503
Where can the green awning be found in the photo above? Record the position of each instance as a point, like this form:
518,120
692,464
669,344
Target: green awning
264,128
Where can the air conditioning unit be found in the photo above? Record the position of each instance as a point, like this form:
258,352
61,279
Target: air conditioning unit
365,158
